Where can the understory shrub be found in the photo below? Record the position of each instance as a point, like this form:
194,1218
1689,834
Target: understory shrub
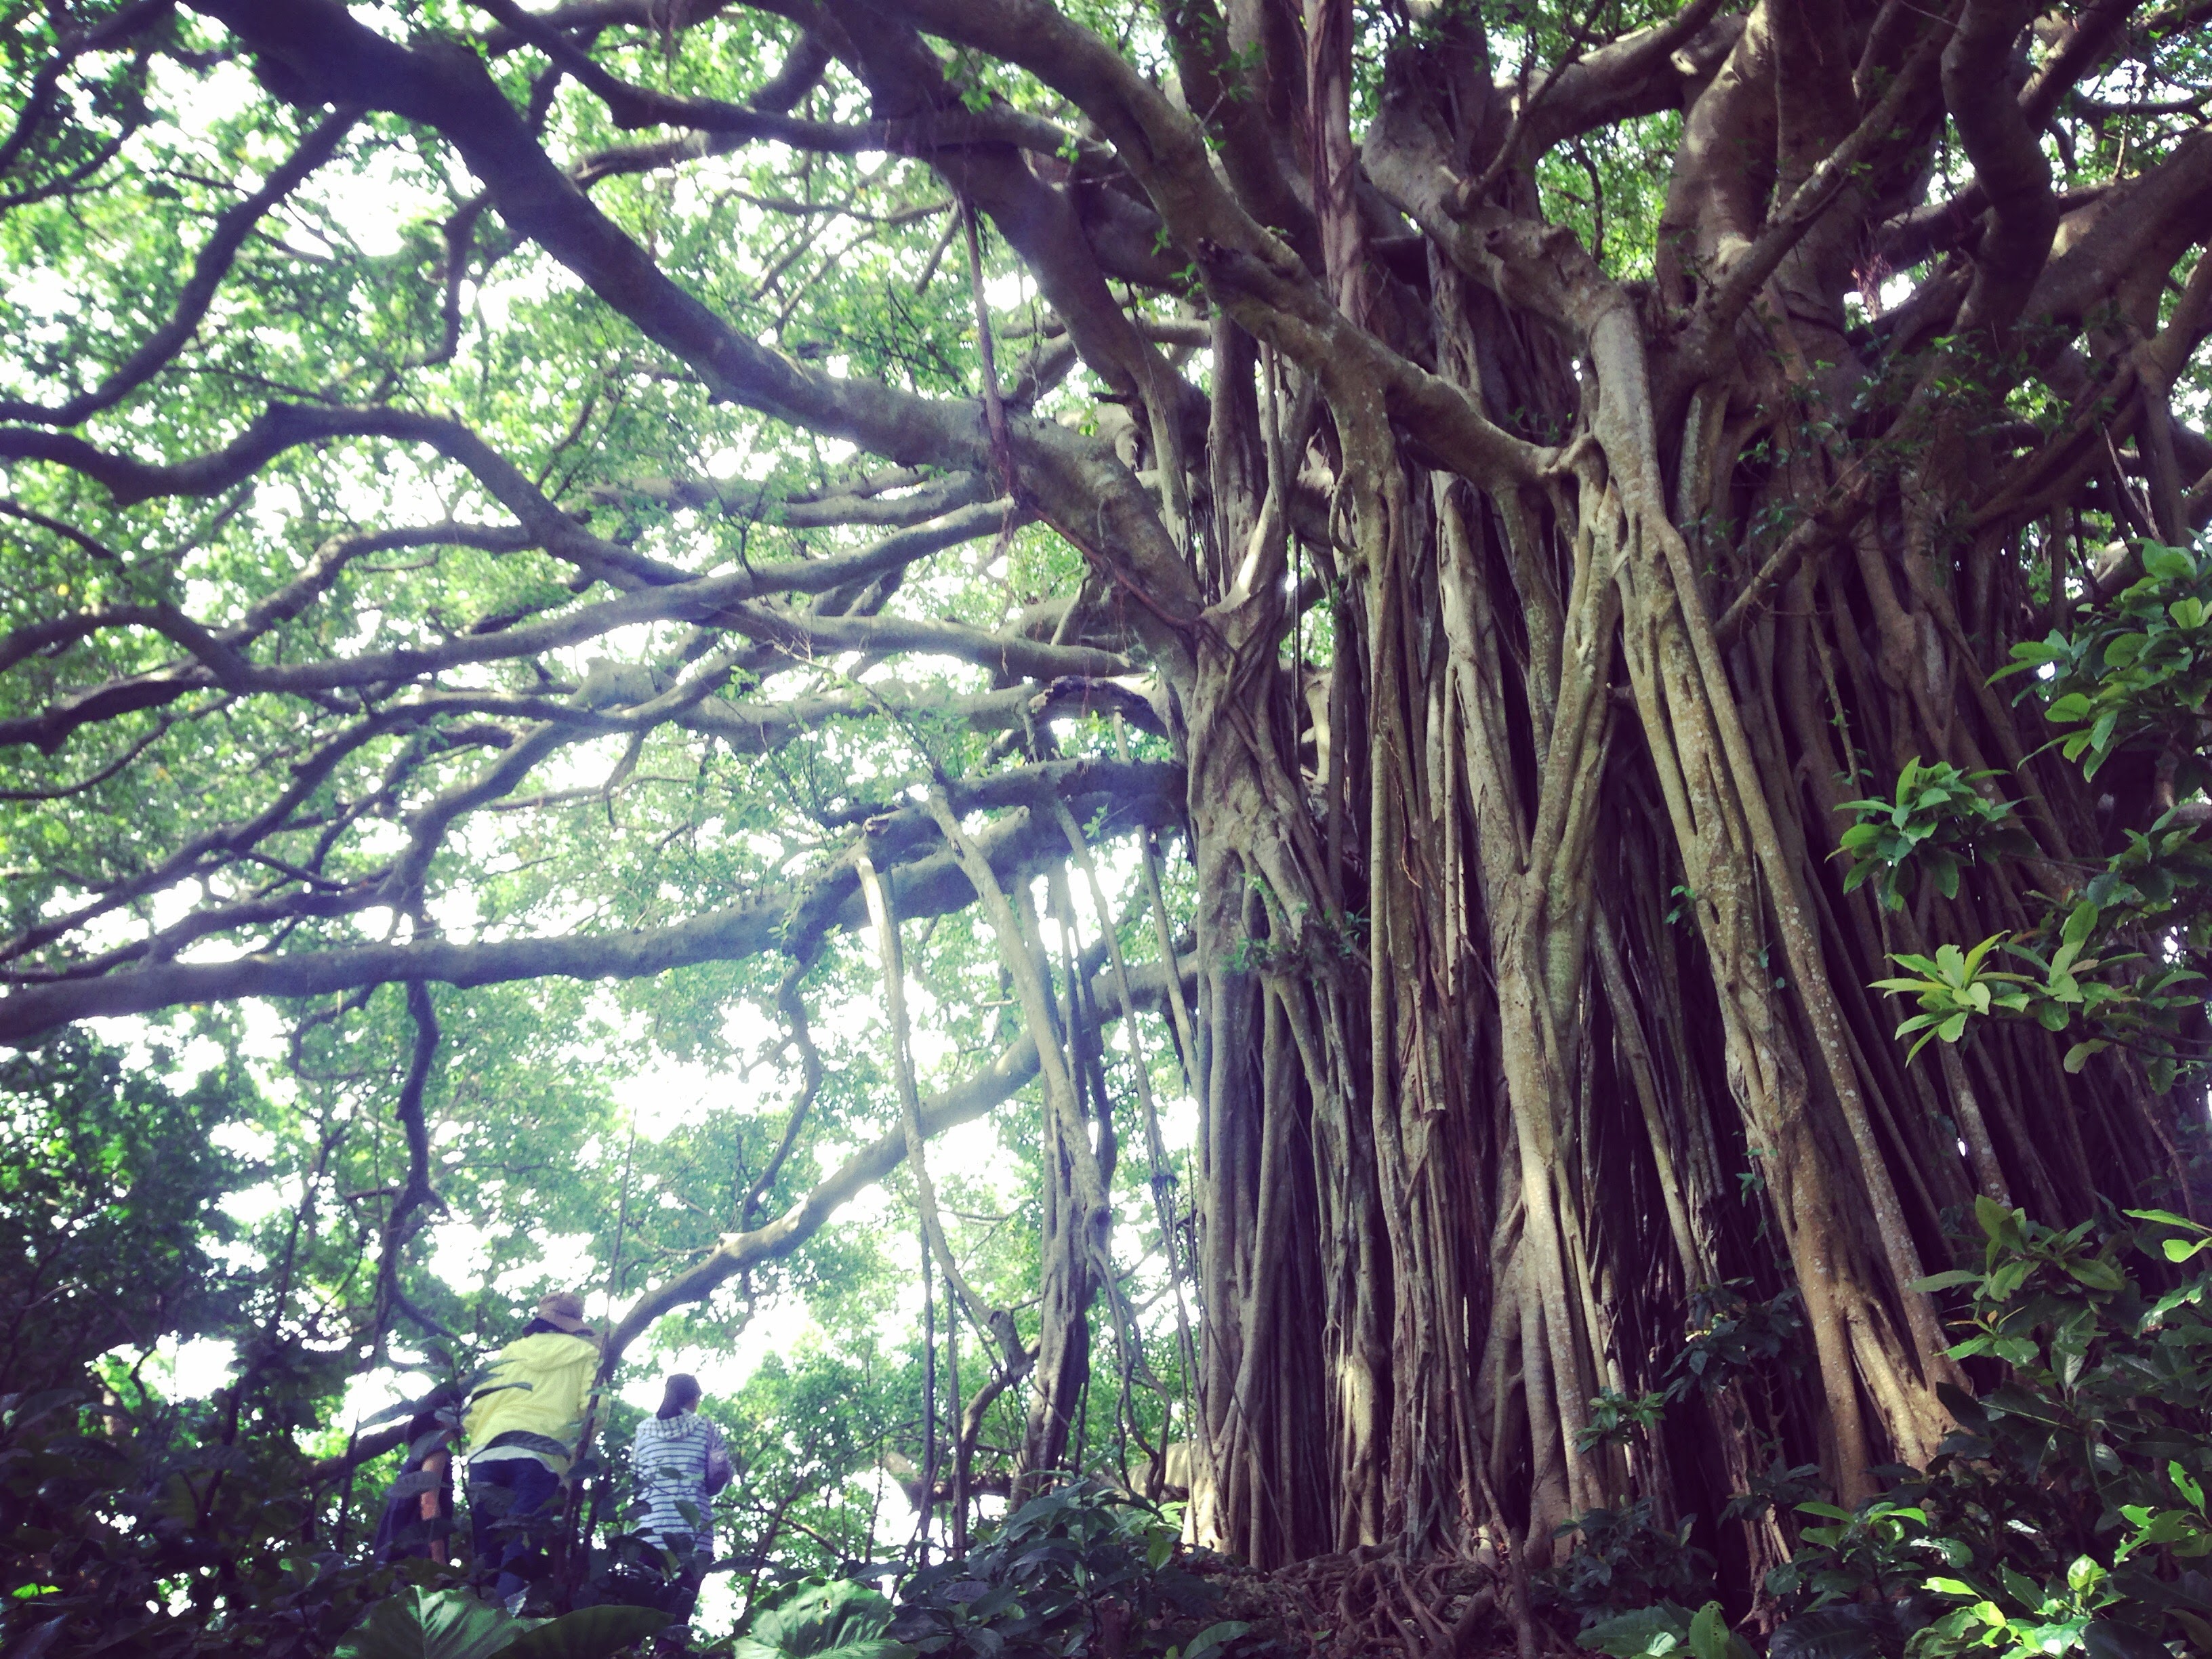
1081,1569
2067,1512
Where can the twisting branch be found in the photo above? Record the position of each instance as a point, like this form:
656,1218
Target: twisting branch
400,1222
212,263
792,1001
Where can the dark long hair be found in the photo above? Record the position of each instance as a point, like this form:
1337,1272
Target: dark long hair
681,1390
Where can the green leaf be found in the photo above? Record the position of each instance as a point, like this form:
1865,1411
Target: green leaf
2123,650
2022,1589
1632,1635
1952,1586
2168,1218
821,1619
2168,564
1943,870
2096,1273
2078,1055
425,1624
2184,1483
1709,1633
1942,1281
1215,1635
587,1633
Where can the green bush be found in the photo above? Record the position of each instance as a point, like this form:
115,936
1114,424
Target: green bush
2067,1513
820,1618
1626,1561
165,1542
451,1624
1077,1565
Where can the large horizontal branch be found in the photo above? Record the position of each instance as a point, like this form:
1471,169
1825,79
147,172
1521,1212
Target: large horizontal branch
188,862
632,107
2149,219
283,425
1640,74
912,497
712,600
219,646
755,727
779,94
1124,797
752,728
810,637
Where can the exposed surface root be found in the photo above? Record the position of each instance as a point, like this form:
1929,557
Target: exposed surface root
1370,1601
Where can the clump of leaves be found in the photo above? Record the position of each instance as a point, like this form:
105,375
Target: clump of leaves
2132,676
451,1623
1666,1630
1626,1558
159,1539
1732,1333
2067,1513
1937,821
1953,986
1080,1569
820,1618
1620,1419
2136,669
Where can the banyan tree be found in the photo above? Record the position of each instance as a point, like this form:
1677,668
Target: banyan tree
1365,557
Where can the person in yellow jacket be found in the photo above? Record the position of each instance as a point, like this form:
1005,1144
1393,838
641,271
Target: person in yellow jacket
521,1430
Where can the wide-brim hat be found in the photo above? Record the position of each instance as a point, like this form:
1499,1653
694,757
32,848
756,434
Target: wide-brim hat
566,1310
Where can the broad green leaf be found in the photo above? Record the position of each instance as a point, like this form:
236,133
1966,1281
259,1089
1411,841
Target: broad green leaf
1943,1281
425,1624
1631,1635
821,1619
1709,1633
1215,1635
587,1633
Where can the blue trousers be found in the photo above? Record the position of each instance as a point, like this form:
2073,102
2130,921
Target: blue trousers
510,1530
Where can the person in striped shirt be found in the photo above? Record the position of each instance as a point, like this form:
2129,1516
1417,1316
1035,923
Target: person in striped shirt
680,1460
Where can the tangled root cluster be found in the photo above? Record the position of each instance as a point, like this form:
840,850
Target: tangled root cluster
1373,1602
